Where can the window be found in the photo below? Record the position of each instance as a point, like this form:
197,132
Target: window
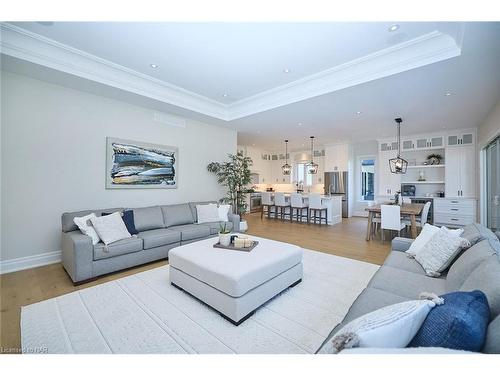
367,182
493,185
302,175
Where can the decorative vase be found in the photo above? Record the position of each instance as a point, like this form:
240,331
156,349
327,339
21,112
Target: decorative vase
225,239
243,226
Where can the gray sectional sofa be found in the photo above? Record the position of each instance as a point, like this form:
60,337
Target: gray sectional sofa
402,278
160,228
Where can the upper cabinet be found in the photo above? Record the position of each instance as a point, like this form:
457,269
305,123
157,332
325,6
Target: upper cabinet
421,143
389,146
460,138
336,158
460,172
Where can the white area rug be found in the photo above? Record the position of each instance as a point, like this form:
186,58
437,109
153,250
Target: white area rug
143,313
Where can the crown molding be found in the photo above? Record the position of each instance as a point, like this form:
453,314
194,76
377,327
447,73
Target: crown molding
426,49
25,45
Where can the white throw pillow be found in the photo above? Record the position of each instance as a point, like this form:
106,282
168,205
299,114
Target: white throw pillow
455,232
110,228
392,326
207,213
425,235
223,211
85,225
438,253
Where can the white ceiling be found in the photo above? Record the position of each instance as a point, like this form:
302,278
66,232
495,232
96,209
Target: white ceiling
245,59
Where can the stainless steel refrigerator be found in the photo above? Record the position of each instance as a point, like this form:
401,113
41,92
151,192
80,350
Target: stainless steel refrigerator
336,184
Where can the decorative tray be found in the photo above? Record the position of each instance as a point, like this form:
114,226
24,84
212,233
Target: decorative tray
231,247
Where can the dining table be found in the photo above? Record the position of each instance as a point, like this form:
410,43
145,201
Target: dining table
411,210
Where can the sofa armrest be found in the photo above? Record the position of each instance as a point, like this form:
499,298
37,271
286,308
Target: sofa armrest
235,219
401,244
77,255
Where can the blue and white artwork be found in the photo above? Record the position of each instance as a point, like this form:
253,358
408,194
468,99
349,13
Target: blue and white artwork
132,164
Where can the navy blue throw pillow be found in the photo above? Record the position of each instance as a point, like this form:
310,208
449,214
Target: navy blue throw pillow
460,323
128,219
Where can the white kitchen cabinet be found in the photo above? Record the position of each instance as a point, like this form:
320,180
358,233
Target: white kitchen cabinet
277,176
454,212
460,172
388,183
336,158
318,178
422,143
460,138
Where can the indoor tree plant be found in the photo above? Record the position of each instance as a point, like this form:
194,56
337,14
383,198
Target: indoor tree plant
235,176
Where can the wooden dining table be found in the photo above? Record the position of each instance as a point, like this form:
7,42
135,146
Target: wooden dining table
411,210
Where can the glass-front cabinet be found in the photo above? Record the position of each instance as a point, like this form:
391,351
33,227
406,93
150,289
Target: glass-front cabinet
466,138
423,143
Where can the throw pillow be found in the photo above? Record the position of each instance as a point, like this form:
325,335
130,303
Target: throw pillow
392,326
425,235
460,323
85,225
110,228
207,213
223,211
438,253
128,219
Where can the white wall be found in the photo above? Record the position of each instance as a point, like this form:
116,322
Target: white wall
54,158
369,148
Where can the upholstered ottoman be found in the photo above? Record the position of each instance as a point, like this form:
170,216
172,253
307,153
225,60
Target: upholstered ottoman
235,283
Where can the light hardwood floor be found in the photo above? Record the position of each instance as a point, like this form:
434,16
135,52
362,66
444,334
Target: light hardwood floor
21,288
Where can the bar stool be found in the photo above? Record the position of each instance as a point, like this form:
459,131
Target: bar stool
315,205
267,203
297,205
280,203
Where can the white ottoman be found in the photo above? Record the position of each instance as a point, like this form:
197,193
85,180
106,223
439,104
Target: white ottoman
235,283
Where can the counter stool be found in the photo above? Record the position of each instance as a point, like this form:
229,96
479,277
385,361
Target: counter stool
280,203
315,205
267,204
297,205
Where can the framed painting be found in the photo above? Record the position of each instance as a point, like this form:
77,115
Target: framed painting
139,165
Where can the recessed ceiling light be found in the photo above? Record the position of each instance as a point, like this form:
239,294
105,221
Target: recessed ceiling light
253,144
286,70
258,131
299,124
447,93
393,28
358,112
154,66
224,95
303,144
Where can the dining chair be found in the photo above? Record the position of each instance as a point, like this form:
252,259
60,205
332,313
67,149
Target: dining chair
316,206
281,204
297,205
375,219
267,204
391,218
422,219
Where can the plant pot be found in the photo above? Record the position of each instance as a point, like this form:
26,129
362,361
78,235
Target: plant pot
225,239
243,226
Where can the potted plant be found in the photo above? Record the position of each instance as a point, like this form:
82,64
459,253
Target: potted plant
235,176
224,234
434,159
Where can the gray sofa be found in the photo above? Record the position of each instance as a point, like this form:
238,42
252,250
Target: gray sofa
160,228
402,278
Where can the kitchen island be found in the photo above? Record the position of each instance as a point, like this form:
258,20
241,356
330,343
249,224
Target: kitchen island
333,205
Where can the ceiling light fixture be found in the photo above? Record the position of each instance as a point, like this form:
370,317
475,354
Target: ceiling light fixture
393,28
398,164
154,66
224,95
299,124
447,93
312,167
358,112
286,70
286,168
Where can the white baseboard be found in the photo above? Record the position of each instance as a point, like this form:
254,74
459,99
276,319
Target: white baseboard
32,261
360,213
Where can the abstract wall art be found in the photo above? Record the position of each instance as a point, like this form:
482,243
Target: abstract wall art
132,164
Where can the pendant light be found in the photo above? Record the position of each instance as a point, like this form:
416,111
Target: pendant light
312,167
286,168
398,164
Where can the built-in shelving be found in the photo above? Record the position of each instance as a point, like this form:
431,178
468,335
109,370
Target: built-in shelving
425,166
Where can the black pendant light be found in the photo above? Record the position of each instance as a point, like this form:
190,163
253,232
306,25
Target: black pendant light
286,168
398,164
312,167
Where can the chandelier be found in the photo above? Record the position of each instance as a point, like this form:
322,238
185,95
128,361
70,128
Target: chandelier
286,168
398,164
312,167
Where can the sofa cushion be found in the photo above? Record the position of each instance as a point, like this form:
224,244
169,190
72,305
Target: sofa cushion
125,246
192,207
460,323
67,218
406,284
147,218
177,214
486,278
159,237
192,231
468,261
492,344
477,232
215,226
398,259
